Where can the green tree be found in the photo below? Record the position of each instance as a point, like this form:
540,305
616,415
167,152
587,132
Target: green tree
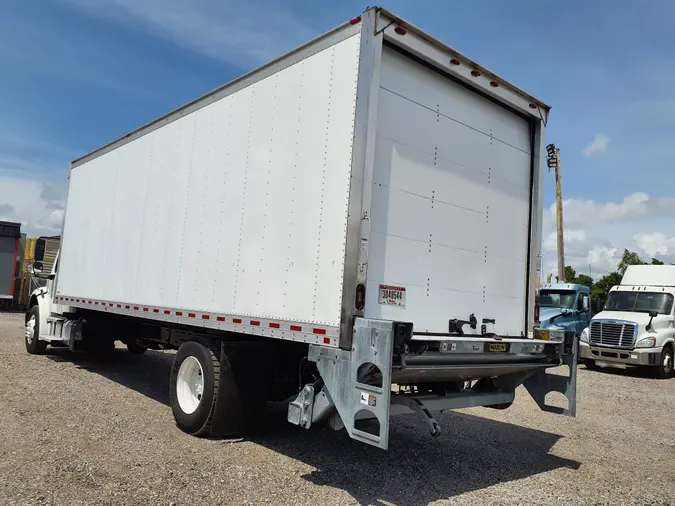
585,280
656,262
570,274
601,287
628,258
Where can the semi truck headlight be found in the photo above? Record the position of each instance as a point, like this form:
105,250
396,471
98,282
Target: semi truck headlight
647,342
556,335
584,335
553,335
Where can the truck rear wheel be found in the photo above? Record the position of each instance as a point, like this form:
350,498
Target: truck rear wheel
193,388
33,344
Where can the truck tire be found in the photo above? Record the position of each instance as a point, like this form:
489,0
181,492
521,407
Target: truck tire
193,388
665,368
33,345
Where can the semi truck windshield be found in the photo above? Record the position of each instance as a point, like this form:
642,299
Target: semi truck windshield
563,299
639,302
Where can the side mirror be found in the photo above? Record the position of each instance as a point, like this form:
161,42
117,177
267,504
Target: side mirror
36,268
40,245
585,304
652,315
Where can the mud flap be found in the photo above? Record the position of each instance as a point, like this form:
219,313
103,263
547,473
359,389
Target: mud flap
543,382
241,399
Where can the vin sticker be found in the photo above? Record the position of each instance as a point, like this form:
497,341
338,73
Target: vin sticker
392,295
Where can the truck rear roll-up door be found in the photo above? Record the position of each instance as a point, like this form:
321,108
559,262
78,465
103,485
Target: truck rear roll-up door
450,203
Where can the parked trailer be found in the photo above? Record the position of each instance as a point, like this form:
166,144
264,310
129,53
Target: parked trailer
10,259
353,228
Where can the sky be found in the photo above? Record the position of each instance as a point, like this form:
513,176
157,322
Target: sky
77,74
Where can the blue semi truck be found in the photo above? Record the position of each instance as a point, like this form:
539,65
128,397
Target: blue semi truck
564,306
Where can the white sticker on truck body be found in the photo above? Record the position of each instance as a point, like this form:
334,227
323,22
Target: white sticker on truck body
392,295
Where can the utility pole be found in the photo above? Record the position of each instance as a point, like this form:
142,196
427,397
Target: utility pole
553,161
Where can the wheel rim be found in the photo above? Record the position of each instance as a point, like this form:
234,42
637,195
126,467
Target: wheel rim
30,330
190,385
667,363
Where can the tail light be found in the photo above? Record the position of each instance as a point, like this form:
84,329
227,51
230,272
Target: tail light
360,301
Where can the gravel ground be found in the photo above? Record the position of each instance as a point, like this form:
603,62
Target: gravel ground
74,430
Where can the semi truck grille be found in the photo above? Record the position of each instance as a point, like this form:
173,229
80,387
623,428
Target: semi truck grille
615,334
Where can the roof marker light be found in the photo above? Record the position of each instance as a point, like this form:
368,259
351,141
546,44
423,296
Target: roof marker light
400,30
494,84
475,73
355,20
455,61
533,106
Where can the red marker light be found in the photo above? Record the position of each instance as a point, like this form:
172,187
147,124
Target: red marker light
355,21
455,61
475,73
494,84
533,106
360,301
400,30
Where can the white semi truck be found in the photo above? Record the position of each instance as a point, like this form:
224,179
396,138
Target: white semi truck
353,228
637,325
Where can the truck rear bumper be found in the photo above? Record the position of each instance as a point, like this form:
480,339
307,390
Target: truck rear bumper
385,373
645,356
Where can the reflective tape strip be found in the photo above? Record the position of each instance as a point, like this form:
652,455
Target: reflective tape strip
280,329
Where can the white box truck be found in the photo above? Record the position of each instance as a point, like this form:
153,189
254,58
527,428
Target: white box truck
353,228
637,325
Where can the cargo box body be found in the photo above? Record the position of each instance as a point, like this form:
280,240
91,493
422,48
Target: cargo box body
369,158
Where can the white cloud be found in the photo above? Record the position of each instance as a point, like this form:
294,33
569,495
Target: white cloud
596,233
238,33
569,237
601,259
597,147
636,206
27,194
657,245
37,205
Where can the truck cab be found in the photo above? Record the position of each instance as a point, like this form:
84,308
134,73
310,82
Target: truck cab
637,325
564,306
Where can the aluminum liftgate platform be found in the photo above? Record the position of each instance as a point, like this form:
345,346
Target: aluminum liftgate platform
358,382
